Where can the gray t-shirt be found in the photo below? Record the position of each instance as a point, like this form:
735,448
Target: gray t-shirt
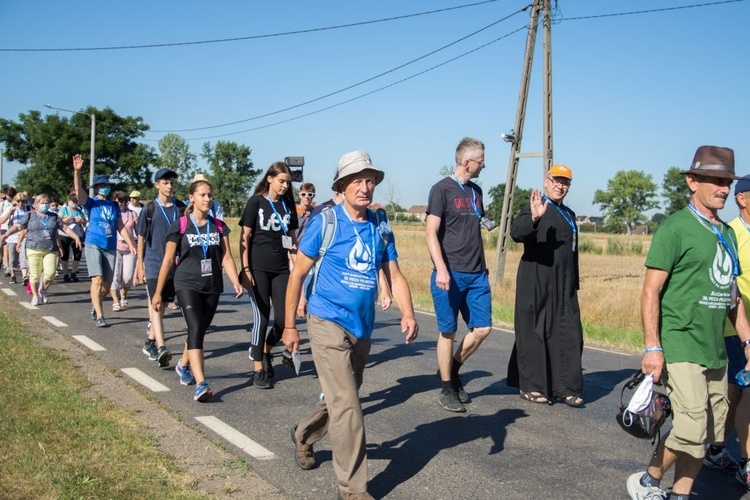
163,218
41,231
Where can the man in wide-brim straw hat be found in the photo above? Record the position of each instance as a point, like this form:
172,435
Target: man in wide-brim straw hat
688,291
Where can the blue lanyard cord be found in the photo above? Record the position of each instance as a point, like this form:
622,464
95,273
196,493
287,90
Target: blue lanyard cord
174,215
732,252
564,212
370,250
744,223
474,193
204,244
286,211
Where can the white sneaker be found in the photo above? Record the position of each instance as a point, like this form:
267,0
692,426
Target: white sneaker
34,301
639,492
45,297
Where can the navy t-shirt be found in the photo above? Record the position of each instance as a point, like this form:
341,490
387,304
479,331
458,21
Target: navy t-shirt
163,218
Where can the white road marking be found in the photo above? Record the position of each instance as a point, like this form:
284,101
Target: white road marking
608,351
88,343
28,305
54,320
9,292
236,438
145,380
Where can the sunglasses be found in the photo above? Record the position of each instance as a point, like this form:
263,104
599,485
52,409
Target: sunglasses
307,195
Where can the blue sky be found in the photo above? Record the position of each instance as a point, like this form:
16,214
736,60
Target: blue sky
630,92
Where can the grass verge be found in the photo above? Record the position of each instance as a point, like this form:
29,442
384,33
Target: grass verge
59,442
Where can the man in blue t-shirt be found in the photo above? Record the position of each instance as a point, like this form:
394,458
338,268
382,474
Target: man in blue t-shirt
101,239
156,218
341,315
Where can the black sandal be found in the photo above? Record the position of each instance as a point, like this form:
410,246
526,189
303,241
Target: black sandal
572,401
537,398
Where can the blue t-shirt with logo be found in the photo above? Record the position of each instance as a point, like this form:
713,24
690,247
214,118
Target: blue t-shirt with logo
347,285
102,229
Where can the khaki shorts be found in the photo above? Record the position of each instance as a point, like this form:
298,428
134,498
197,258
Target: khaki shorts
699,407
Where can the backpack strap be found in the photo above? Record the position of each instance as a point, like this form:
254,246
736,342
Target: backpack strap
328,231
150,209
183,225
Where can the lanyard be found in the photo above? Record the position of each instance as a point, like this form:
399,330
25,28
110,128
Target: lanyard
472,201
744,223
732,252
174,215
204,243
45,220
370,250
564,214
286,211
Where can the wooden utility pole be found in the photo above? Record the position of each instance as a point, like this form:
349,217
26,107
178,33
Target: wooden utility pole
516,136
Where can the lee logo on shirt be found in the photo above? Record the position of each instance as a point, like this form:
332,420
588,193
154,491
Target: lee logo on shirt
272,224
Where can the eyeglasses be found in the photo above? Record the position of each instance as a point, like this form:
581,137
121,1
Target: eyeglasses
562,181
481,163
307,195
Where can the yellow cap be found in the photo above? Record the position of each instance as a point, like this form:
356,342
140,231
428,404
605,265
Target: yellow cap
561,170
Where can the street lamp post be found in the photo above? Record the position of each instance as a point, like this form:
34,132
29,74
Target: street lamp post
92,153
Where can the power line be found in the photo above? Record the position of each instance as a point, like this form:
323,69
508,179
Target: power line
709,4
251,37
650,11
424,56
361,96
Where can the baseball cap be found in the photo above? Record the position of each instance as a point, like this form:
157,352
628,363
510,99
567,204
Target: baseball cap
135,194
561,170
164,172
742,186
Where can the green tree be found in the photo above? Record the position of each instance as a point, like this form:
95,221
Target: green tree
494,210
675,191
392,208
46,146
175,154
629,193
232,174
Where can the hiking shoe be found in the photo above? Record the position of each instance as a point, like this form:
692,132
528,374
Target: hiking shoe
722,461
149,349
203,392
186,376
163,357
66,278
348,495
34,301
459,388
743,476
639,492
101,323
74,277
267,366
13,280
449,400
303,453
261,380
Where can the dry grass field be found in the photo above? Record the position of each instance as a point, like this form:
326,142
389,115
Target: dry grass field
611,277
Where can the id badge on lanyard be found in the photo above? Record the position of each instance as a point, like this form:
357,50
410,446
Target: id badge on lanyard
206,269
286,241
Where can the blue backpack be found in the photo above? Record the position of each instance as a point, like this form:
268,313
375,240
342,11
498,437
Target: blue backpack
328,231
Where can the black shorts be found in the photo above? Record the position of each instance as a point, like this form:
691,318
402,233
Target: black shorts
167,295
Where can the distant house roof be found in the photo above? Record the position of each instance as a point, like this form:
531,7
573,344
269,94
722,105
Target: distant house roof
417,209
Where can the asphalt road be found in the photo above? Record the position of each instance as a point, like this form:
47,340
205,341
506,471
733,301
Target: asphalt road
503,447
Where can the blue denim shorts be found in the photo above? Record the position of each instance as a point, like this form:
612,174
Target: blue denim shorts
469,294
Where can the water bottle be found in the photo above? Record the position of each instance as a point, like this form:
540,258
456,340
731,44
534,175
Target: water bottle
743,379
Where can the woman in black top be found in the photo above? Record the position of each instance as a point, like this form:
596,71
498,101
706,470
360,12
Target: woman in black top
201,244
268,227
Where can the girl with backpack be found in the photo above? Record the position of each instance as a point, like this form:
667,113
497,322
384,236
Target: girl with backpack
198,245
124,260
